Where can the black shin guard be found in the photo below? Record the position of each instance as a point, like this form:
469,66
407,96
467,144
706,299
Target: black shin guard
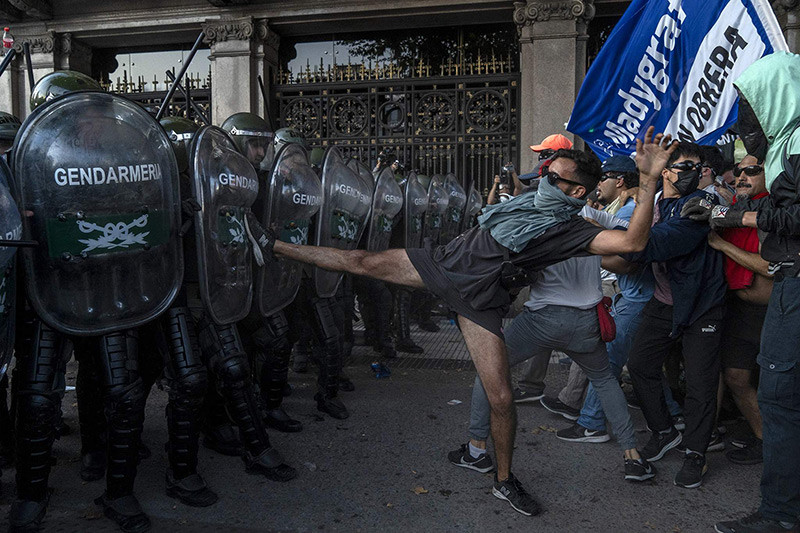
188,381
229,362
124,405
330,358
36,405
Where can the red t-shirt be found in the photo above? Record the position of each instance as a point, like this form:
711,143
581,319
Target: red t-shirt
737,276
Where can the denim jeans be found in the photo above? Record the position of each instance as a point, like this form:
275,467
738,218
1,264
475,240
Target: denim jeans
779,402
627,317
575,332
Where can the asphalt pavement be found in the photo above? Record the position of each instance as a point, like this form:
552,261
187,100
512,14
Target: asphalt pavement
385,469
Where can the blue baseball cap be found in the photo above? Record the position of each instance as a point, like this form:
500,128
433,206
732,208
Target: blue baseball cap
619,163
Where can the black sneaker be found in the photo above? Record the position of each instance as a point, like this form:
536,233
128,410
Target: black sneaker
690,476
511,491
749,455
659,444
744,442
716,444
639,470
554,405
461,457
522,396
578,433
755,523
633,401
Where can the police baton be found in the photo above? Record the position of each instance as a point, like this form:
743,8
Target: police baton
7,60
18,244
178,78
197,108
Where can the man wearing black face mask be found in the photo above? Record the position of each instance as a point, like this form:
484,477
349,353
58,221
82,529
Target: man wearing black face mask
686,306
769,114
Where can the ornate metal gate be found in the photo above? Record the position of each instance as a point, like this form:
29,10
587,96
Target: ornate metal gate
461,119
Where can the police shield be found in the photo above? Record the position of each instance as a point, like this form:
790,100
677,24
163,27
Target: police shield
457,200
473,207
225,184
295,195
414,206
10,229
99,180
362,170
387,201
346,201
437,209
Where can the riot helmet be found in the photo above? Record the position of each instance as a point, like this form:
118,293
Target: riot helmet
316,156
424,180
9,126
253,138
180,132
61,82
287,136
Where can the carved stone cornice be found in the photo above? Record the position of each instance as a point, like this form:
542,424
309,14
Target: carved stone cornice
44,43
532,11
266,35
219,31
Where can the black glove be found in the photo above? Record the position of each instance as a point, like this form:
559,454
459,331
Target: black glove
188,207
263,240
725,217
697,209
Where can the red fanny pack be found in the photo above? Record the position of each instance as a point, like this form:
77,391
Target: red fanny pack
608,328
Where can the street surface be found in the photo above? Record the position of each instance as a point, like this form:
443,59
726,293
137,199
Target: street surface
385,468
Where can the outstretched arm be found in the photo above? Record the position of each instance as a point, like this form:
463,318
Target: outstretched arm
393,266
651,158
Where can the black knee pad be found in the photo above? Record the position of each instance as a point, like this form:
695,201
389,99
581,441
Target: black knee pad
233,370
193,385
125,400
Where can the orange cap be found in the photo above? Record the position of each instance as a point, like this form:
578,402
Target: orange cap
553,142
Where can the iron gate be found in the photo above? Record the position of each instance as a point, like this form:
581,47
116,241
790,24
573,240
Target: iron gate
462,120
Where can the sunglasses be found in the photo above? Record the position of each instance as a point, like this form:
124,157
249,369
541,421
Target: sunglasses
552,178
752,170
685,166
610,176
544,154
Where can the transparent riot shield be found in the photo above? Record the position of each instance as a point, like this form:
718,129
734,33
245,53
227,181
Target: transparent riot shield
473,207
437,209
295,195
457,200
346,202
10,229
357,166
414,206
225,184
387,201
99,181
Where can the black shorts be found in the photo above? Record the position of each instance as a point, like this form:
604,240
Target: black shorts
741,333
438,283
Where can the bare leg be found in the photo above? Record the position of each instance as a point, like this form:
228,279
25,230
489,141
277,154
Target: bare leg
745,396
488,352
390,265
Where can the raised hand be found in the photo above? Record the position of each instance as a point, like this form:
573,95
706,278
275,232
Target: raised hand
652,154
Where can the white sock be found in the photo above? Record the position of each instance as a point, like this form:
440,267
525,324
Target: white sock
476,453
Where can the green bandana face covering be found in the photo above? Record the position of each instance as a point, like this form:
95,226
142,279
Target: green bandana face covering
516,222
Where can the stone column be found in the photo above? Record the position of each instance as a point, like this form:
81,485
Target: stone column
552,67
241,49
788,12
267,43
49,52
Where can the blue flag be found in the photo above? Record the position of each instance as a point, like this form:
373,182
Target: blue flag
671,64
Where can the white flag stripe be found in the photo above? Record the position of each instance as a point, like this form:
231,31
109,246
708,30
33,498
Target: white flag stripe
689,116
